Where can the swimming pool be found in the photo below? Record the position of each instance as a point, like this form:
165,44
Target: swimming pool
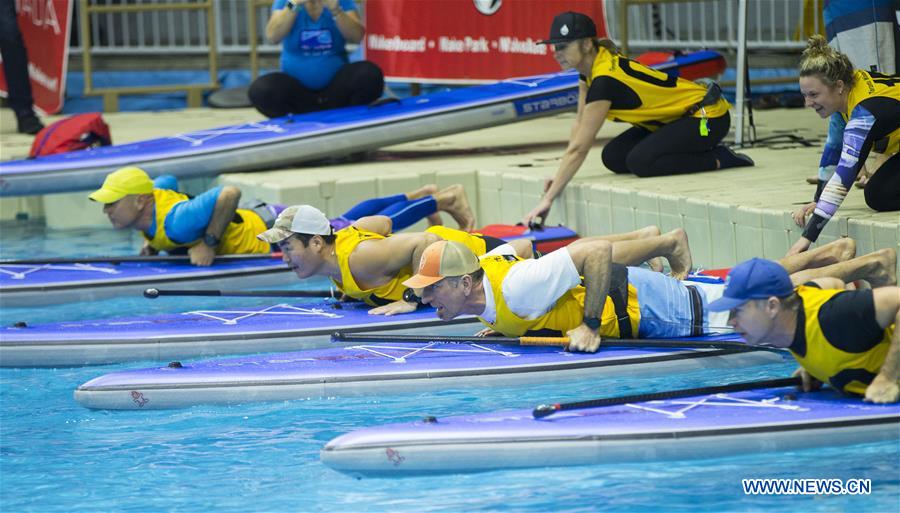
57,456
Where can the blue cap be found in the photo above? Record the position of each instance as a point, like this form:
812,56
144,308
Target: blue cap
756,278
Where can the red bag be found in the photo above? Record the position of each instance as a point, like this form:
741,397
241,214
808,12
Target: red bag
77,132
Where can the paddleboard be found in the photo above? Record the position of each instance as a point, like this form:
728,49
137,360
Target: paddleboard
278,327
766,420
288,140
380,368
40,284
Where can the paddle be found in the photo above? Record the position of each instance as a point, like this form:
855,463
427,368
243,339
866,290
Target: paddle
545,341
155,293
549,409
133,258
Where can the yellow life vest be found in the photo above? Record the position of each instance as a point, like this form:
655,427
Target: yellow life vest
238,238
848,372
566,314
663,98
869,85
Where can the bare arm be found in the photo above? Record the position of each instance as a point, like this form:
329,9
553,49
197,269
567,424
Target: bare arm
375,260
280,23
593,261
589,122
223,212
347,22
827,283
378,224
594,114
887,312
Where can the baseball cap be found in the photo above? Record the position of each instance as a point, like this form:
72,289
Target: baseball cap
442,259
122,182
756,278
569,26
297,219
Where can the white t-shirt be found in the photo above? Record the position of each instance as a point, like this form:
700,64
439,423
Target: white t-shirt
532,287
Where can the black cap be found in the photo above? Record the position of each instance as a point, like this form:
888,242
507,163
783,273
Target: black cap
570,26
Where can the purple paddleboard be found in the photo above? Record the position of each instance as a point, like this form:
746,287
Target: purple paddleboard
696,427
364,369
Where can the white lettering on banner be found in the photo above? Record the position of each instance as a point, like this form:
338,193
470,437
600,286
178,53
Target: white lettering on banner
515,45
38,75
42,13
395,44
466,45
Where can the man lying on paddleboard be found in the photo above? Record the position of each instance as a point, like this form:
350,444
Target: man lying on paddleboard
545,297
369,263
845,338
212,224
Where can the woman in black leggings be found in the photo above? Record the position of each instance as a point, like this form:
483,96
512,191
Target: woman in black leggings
678,124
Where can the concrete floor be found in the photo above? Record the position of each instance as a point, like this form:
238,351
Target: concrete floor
729,215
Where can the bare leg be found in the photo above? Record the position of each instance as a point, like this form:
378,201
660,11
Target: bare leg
453,201
523,247
647,232
878,268
421,192
673,246
832,253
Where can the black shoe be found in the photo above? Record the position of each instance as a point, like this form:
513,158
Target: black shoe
29,124
728,158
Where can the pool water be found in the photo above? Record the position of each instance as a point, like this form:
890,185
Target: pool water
56,456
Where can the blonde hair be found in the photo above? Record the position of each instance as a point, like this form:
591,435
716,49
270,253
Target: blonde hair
605,43
823,61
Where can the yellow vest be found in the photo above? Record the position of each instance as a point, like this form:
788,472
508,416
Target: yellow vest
664,99
239,238
566,314
828,364
348,238
868,85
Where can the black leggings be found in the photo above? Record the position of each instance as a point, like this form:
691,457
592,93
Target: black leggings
673,149
883,189
279,94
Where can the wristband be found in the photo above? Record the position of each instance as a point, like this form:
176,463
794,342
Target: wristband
210,240
410,297
290,5
592,323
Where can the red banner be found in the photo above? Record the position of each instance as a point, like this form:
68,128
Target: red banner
466,41
45,26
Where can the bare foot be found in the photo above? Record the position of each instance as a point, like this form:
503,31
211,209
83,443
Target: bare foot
421,192
435,219
680,257
656,264
884,273
453,201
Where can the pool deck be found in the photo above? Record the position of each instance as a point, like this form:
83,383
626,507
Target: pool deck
729,215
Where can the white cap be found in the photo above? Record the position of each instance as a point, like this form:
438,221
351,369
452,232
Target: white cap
304,219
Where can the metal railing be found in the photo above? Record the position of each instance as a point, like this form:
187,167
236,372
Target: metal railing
771,24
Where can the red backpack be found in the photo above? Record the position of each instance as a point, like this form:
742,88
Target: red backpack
77,132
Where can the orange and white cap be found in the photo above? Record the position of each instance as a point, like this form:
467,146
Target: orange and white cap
442,259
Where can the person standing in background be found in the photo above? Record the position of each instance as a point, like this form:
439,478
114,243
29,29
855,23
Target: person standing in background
15,65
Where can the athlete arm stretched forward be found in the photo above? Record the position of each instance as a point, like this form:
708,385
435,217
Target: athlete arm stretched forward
593,261
885,387
589,121
379,261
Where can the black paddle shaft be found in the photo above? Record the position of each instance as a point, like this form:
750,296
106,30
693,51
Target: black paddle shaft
549,409
155,293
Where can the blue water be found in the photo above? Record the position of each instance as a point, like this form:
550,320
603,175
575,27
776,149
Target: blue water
57,456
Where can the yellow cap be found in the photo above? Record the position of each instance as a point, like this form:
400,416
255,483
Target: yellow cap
120,183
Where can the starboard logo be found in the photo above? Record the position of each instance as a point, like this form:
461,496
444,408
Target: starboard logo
564,30
487,7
